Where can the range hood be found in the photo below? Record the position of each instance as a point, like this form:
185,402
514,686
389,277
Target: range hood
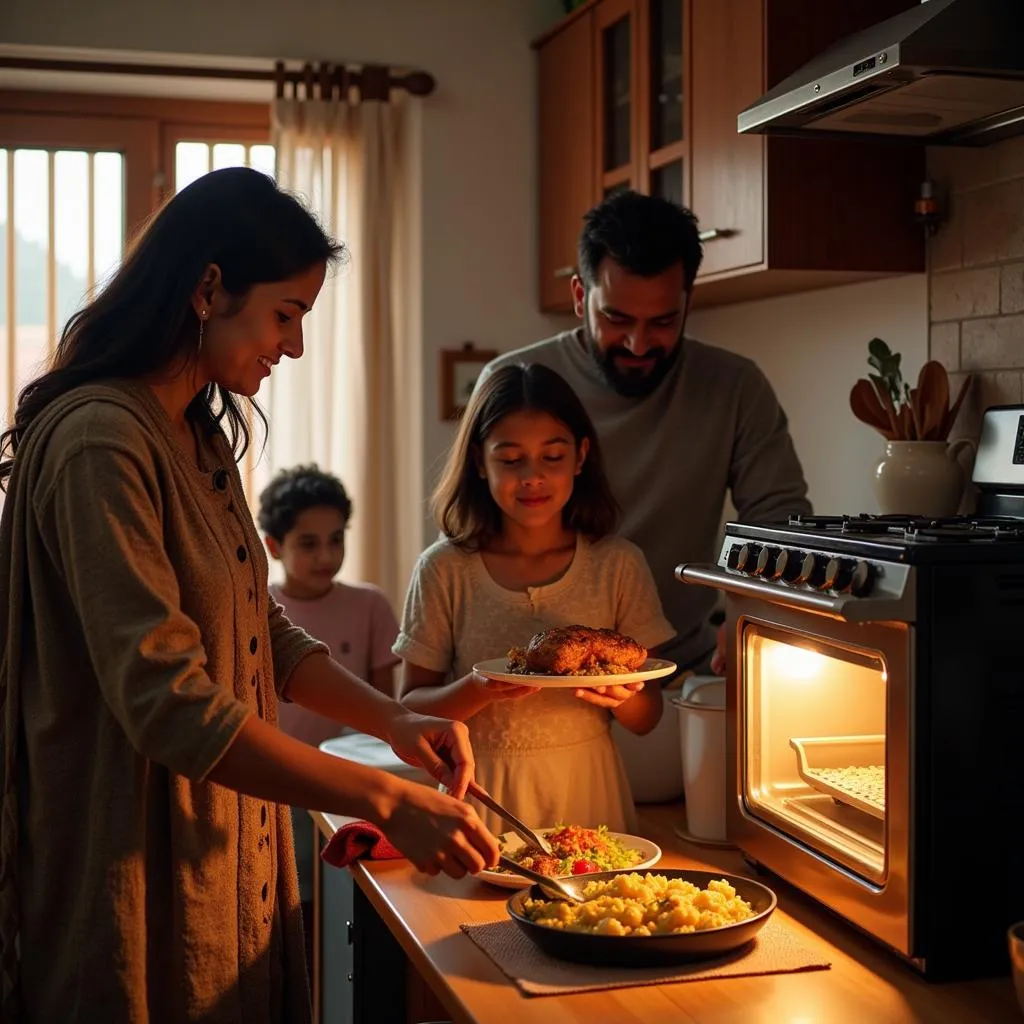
945,72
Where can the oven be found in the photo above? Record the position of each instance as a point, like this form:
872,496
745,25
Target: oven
875,723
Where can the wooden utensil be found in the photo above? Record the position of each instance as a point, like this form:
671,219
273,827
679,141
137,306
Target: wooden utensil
867,408
933,388
916,413
886,402
950,417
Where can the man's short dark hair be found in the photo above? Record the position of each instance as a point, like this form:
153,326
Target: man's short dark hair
295,490
645,235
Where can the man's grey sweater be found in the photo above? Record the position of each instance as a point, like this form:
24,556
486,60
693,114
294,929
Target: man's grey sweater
713,426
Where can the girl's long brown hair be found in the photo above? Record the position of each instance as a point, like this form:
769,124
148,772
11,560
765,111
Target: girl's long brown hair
462,504
143,322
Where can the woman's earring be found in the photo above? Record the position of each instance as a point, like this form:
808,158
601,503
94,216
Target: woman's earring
202,326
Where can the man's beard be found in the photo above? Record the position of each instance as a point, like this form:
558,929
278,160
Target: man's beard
631,383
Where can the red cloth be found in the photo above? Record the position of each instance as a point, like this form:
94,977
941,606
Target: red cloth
358,839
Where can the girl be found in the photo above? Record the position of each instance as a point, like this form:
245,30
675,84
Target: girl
146,866
528,517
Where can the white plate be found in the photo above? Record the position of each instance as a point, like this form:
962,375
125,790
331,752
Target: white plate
650,852
496,669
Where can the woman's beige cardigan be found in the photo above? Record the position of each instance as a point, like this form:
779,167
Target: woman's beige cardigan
137,636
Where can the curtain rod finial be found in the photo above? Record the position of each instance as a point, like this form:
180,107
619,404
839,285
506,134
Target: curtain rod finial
419,83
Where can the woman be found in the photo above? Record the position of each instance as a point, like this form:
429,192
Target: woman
146,862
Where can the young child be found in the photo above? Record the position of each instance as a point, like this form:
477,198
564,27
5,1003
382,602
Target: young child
304,514
528,516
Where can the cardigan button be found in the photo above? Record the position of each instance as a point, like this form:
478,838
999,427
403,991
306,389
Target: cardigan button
253,645
242,553
220,479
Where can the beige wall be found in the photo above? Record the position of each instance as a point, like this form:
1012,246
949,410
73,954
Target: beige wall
977,274
813,347
478,199
478,137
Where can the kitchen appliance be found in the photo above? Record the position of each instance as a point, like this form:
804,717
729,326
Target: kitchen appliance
875,713
944,72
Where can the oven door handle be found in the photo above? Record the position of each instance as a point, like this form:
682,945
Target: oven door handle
847,608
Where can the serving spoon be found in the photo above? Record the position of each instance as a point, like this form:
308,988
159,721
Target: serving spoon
553,887
534,838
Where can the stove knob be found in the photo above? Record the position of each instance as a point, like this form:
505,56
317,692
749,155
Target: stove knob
839,574
766,562
812,570
747,558
733,556
788,565
863,579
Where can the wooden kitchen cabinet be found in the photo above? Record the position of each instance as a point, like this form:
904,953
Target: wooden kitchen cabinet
567,153
784,214
777,215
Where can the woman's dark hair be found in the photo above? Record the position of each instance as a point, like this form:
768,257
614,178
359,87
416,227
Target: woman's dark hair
462,503
295,490
645,235
143,321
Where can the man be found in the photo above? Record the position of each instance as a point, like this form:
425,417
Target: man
681,423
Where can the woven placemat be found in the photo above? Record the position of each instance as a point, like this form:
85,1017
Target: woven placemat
775,950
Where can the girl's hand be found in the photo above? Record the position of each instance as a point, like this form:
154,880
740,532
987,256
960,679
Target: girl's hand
609,697
433,744
502,691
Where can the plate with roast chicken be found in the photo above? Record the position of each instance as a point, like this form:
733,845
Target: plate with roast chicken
576,656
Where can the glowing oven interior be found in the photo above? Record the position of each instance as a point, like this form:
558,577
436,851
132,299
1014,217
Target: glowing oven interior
815,753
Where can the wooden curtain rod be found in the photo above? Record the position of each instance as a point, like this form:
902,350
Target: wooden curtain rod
374,81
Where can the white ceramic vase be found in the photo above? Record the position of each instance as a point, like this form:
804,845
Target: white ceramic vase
921,478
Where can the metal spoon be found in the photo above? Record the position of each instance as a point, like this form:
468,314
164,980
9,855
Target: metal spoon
553,887
479,793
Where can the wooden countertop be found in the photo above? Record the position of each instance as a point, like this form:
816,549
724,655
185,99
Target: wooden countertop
864,986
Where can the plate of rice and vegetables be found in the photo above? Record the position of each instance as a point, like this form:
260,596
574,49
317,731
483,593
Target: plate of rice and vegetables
574,851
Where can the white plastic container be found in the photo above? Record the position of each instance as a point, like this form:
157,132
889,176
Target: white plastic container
702,739
652,762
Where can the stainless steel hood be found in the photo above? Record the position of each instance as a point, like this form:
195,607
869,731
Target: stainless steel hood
946,72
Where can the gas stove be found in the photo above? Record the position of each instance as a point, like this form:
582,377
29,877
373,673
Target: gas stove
853,558
874,708
918,529
863,566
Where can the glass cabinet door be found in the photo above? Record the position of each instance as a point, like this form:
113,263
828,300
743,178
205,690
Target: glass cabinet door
615,42
663,138
666,67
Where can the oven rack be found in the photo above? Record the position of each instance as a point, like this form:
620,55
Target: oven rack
850,769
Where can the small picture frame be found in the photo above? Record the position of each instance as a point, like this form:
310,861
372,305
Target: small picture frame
458,373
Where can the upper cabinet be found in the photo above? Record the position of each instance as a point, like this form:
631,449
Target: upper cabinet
567,148
644,94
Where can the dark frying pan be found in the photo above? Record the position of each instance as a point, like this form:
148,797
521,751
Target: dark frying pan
648,950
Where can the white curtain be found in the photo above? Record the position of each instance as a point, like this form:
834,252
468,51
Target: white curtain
351,402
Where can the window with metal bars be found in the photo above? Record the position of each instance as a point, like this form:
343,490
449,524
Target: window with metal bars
77,175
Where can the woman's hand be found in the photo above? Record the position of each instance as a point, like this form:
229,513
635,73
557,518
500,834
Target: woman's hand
437,832
437,745
610,697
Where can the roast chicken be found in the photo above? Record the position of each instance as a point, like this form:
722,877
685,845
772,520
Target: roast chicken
576,651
